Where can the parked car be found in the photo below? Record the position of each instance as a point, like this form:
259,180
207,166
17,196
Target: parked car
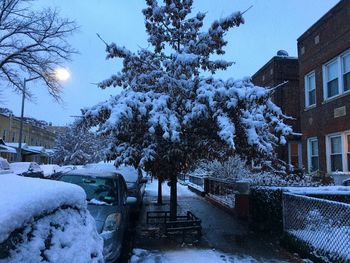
107,198
28,169
50,170
134,179
46,221
4,166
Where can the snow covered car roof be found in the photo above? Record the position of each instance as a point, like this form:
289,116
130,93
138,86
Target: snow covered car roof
22,198
92,173
129,173
22,167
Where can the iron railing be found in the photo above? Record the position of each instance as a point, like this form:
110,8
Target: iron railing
196,181
321,227
222,191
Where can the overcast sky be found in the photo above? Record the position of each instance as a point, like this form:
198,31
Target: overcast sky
270,25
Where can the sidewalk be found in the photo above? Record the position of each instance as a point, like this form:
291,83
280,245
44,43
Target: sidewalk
224,238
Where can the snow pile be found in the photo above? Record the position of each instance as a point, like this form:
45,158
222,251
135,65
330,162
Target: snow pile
62,236
191,255
23,198
50,169
54,220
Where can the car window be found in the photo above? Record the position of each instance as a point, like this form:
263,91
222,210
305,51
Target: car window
96,189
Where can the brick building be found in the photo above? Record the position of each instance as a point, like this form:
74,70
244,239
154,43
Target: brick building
324,70
282,72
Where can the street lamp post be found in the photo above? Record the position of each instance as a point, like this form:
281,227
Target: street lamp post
60,74
19,158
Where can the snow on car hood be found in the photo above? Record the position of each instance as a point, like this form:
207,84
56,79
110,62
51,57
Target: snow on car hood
22,198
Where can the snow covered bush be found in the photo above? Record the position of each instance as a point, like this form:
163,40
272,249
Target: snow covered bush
78,146
46,221
172,111
235,168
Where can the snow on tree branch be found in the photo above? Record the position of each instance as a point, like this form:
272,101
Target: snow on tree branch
169,115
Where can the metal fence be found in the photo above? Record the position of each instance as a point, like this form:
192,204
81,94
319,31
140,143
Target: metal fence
196,181
321,227
223,191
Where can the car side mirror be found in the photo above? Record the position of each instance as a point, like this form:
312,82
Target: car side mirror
143,180
131,200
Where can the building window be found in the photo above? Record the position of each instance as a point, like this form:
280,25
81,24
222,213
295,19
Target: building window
336,75
13,136
331,76
348,150
4,132
294,156
313,154
336,156
310,89
346,71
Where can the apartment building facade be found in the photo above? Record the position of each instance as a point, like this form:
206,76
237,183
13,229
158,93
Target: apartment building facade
36,137
282,73
324,70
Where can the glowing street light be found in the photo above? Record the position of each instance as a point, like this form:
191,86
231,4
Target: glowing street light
60,74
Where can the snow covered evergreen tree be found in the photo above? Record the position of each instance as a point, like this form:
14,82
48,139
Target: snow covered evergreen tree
78,146
172,111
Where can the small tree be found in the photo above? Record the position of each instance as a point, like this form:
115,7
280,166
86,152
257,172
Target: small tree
33,44
78,146
170,114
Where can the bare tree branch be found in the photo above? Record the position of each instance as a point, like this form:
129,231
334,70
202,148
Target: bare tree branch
32,44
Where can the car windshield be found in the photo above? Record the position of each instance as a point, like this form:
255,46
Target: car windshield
99,191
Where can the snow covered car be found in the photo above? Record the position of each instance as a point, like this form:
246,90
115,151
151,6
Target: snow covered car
46,221
50,170
106,193
4,166
28,169
134,179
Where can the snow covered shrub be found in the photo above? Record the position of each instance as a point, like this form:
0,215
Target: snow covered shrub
234,169
266,212
321,178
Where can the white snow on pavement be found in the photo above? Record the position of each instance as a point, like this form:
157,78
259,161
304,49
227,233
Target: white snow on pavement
182,190
191,255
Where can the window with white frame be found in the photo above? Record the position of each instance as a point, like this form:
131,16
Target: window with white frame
310,89
346,71
313,154
336,156
336,76
331,77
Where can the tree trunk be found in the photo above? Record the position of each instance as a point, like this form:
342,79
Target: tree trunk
160,196
173,197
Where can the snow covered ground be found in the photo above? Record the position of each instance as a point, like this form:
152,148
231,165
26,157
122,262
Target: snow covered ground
190,255
182,190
